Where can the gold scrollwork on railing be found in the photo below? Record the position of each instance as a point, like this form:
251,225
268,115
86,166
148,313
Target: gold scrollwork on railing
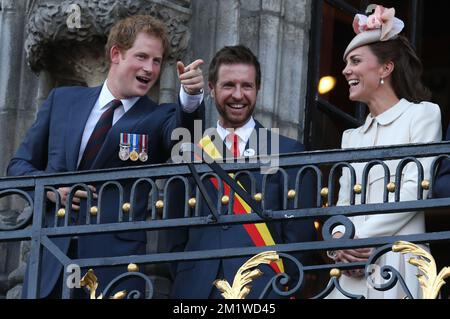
430,282
245,275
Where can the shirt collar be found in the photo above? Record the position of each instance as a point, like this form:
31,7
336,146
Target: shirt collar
243,132
388,116
106,96
368,123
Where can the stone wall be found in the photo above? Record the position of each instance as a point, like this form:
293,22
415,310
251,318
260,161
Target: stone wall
19,86
18,92
41,48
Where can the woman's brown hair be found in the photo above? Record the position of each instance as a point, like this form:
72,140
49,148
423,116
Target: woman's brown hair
406,77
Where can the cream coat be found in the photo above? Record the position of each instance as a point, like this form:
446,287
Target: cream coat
403,123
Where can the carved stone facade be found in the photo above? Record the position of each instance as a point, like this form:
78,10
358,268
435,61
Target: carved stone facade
67,38
49,43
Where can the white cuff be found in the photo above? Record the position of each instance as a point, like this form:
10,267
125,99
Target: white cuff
190,103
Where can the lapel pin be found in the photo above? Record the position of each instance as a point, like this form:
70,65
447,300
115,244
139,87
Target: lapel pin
249,152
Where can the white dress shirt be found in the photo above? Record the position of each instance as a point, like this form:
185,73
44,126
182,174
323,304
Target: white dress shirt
189,104
243,132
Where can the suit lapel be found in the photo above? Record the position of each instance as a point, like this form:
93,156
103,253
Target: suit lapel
78,116
262,147
262,136
221,147
126,124
254,139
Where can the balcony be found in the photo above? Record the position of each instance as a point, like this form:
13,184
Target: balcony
175,202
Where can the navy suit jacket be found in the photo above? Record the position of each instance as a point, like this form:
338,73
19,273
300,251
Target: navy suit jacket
52,145
194,279
441,187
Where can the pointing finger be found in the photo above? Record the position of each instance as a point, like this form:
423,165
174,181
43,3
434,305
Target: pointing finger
195,65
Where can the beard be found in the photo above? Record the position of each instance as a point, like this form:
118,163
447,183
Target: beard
228,119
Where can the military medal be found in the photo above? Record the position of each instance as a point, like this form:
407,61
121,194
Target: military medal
134,155
124,152
143,156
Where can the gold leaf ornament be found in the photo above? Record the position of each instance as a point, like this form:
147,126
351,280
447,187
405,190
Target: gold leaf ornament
90,281
245,275
119,295
430,282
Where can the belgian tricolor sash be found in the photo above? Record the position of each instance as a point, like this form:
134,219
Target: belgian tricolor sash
259,233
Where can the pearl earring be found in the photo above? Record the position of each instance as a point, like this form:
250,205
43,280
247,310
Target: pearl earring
382,81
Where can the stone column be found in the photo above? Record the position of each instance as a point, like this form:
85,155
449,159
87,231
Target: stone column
16,90
11,49
269,53
293,68
1,16
168,83
227,13
227,23
217,26
249,24
277,31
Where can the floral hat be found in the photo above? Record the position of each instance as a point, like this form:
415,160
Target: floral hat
382,25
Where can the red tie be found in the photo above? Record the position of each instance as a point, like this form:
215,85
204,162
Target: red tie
98,135
234,139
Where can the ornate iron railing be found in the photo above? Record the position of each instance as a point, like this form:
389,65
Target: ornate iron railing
321,163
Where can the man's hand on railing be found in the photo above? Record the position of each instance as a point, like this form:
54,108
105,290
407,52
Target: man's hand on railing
64,194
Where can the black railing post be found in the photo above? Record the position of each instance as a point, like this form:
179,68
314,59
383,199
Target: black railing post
36,246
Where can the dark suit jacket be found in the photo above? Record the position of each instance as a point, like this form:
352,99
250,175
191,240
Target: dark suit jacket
52,145
442,183
194,279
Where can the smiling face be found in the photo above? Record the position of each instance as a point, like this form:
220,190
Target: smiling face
363,73
133,72
235,94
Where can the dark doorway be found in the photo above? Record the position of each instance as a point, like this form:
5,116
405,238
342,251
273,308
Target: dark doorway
435,53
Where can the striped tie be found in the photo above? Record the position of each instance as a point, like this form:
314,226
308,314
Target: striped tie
98,135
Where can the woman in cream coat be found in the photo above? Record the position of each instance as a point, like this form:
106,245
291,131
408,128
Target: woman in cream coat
384,72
